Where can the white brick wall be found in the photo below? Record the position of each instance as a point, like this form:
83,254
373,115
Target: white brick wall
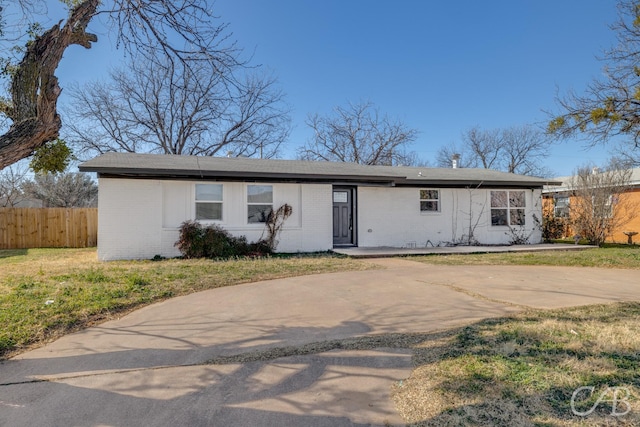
129,219
138,219
392,217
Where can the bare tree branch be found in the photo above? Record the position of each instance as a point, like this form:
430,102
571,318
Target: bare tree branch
66,190
11,180
358,133
173,109
600,201
180,33
518,149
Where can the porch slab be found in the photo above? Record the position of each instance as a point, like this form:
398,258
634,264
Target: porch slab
384,251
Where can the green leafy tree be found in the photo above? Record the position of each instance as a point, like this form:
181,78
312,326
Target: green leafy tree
52,156
610,106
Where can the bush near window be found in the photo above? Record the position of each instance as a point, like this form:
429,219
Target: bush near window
553,227
212,241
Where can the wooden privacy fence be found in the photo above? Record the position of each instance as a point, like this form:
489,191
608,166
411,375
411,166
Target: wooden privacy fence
48,228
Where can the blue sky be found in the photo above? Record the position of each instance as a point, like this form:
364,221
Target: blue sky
441,67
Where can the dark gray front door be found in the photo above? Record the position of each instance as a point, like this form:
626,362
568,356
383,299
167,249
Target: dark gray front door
343,216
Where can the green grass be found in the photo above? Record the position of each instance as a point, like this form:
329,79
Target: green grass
523,370
606,257
45,293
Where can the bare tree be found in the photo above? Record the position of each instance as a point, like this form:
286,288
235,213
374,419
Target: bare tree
11,180
600,202
518,149
65,190
464,156
184,31
609,106
173,109
359,133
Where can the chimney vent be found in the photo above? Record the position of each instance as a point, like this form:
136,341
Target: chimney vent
454,161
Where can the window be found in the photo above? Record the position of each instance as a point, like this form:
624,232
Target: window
259,203
429,201
507,207
561,207
602,205
209,202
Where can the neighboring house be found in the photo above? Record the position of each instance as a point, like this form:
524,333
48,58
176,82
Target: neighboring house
557,201
144,198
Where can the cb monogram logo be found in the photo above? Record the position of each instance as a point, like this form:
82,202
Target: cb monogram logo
619,399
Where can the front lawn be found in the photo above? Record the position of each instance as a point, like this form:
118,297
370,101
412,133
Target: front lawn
524,370
45,293
606,257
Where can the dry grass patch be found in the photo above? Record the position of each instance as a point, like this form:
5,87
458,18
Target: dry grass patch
523,370
45,293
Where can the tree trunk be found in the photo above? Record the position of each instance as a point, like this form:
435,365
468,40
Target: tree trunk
34,87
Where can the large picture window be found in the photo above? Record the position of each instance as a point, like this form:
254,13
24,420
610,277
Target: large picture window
259,203
507,208
209,202
429,201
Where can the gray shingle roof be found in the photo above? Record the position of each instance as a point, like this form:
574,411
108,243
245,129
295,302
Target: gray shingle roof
242,168
565,182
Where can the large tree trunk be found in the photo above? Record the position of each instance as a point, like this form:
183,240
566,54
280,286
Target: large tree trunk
34,87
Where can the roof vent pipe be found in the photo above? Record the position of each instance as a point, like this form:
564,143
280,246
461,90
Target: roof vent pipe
454,161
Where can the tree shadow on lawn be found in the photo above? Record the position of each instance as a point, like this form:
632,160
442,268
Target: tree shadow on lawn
516,370
8,253
524,371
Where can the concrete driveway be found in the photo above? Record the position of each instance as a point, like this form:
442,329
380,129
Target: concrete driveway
278,352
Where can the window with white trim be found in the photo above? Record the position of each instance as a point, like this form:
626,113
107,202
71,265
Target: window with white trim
602,205
561,207
209,202
507,208
429,200
259,203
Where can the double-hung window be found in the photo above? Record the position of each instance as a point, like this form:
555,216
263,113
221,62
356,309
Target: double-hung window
429,200
561,207
259,203
507,208
209,202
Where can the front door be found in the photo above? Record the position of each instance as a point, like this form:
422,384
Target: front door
343,216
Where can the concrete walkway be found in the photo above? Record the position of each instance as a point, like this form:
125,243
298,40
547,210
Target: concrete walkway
278,352
384,251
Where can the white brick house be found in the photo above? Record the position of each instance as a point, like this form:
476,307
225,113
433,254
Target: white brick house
143,199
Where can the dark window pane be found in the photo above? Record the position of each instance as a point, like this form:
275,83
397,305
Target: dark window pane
516,199
209,211
498,217
258,213
517,217
210,192
259,194
498,199
429,206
